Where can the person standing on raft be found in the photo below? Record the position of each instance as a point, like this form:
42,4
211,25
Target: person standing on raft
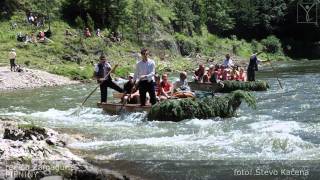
253,67
145,71
101,71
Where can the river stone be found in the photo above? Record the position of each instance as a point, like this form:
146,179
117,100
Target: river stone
24,133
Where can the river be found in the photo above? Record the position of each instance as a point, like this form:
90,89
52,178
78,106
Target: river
285,127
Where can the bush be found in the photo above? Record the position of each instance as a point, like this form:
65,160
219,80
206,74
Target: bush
272,44
90,22
256,46
79,22
186,46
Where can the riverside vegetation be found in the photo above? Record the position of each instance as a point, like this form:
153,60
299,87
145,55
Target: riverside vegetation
179,34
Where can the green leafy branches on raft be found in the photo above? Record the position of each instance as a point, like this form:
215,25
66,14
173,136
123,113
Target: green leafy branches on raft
230,86
222,106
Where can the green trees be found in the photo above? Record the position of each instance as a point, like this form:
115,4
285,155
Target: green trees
217,15
103,13
184,16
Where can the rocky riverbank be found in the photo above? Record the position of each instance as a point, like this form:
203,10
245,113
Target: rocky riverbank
30,78
31,152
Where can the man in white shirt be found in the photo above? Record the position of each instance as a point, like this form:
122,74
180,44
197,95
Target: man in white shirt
145,71
12,58
227,63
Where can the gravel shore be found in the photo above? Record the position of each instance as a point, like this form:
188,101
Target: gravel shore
30,78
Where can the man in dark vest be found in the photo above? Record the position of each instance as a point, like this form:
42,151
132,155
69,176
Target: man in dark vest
253,66
101,71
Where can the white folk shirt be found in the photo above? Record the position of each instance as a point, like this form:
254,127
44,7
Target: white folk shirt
12,55
145,68
228,63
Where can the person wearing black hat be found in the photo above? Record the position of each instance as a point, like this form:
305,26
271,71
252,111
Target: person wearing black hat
101,71
252,67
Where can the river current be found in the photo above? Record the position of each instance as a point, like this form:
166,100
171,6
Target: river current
284,127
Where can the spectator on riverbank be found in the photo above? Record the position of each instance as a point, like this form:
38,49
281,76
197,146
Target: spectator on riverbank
87,33
41,36
12,58
98,33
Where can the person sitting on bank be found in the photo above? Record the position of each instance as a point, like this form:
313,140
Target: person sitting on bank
165,88
33,39
199,73
145,71
253,67
131,95
228,63
98,33
102,69
87,33
41,37
12,59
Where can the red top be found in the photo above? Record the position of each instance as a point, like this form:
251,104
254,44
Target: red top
87,33
166,87
240,77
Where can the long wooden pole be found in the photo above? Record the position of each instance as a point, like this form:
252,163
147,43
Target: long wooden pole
85,100
274,72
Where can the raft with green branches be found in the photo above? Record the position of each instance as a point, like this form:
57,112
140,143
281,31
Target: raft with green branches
203,108
229,86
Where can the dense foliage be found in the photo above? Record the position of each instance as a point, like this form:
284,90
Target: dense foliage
193,26
221,106
249,19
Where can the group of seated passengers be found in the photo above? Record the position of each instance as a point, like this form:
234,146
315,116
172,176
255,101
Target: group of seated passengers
163,89
216,73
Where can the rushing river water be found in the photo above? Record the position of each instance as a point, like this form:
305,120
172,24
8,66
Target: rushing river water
285,126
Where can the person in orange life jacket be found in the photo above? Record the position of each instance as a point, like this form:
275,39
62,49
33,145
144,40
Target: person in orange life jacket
101,70
145,71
